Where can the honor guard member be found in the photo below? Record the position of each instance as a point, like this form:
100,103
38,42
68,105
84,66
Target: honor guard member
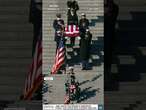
83,23
58,25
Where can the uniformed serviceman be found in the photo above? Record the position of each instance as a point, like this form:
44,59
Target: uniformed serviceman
83,25
58,25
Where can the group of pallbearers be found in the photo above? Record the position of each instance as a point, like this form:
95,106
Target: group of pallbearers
81,27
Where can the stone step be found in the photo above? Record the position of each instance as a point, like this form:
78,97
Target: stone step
140,107
86,9
19,19
134,3
12,36
123,98
15,53
14,3
134,88
116,106
126,59
7,90
14,10
12,81
16,44
81,4
134,29
129,1
78,69
6,27
32,102
9,97
27,106
14,72
134,8
14,62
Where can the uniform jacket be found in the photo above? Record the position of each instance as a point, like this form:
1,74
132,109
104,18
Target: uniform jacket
83,25
57,28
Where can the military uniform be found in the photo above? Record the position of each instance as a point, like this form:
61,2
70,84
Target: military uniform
83,25
58,30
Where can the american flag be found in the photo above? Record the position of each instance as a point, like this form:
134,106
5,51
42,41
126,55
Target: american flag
59,58
34,77
72,31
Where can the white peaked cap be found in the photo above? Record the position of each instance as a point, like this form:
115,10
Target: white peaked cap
83,14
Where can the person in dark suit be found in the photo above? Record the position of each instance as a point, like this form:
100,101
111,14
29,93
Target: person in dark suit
58,25
35,17
85,46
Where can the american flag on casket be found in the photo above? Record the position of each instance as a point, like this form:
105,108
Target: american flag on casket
72,31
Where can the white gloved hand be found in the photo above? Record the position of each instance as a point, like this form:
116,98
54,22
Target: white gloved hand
66,37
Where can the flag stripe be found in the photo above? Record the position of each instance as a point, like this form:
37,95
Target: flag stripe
72,31
59,58
34,76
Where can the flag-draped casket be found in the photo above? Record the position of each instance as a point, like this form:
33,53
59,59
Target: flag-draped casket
72,31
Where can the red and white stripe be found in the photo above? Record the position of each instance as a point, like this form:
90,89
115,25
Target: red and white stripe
72,31
59,60
34,76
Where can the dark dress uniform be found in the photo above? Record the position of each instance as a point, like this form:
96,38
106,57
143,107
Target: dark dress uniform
83,26
35,17
85,49
58,28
